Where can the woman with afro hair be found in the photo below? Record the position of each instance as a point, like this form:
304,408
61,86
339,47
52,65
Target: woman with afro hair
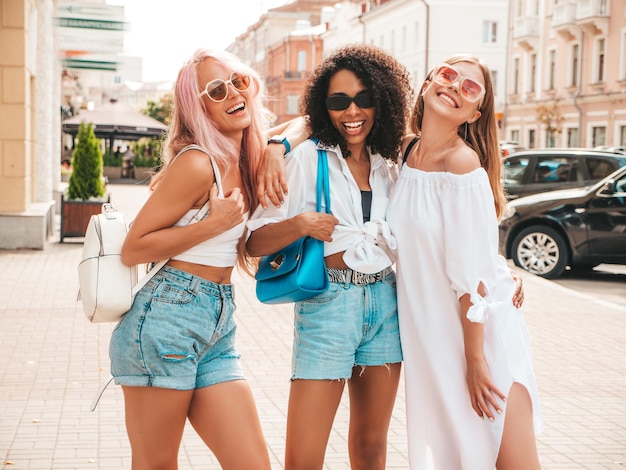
357,103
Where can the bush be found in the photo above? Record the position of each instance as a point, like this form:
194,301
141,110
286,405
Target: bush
112,158
86,181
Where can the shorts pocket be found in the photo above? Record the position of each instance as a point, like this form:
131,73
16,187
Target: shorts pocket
170,293
331,294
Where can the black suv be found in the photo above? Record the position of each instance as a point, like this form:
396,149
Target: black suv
540,170
581,228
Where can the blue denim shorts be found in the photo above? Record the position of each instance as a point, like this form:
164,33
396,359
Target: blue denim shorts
348,325
179,334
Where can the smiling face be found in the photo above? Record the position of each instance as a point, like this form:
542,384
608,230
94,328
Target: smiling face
447,96
231,115
353,123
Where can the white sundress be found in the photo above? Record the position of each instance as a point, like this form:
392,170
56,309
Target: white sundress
447,243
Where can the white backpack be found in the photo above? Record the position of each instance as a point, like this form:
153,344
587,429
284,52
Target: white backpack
108,286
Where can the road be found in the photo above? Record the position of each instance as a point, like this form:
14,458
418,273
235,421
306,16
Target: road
606,282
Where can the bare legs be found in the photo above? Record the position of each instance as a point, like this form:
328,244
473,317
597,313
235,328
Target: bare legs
224,416
372,396
518,450
312,408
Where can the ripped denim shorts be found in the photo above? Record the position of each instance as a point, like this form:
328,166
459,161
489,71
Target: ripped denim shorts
179,334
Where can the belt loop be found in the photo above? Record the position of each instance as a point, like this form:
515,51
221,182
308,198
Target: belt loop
194,287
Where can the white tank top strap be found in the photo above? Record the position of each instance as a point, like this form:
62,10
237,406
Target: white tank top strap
216,171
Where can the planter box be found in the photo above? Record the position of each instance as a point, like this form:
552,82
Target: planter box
112,172
75,216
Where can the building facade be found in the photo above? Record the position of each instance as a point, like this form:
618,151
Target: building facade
567,73
30,141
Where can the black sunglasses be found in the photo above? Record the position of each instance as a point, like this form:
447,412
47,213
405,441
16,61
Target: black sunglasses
341,102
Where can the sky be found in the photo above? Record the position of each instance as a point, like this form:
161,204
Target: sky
165,33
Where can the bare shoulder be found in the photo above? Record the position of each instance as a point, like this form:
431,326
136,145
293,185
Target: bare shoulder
461,160
193,163
190,174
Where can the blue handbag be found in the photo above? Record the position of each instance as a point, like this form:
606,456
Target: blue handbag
298,271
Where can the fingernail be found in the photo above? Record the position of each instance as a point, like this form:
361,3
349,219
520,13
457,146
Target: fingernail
490,418
499,411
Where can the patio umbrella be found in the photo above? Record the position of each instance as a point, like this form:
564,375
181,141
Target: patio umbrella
115,120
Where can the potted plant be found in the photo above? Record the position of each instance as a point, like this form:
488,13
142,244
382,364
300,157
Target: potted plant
112,169
86,189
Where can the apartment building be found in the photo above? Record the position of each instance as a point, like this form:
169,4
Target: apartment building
567,73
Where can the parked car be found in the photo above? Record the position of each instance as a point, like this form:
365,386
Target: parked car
610,148
581,228
508,148
540,170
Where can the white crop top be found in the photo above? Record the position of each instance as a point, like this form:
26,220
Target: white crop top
221,250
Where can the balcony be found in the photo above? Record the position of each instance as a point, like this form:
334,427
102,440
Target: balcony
564,20
593,15
526,32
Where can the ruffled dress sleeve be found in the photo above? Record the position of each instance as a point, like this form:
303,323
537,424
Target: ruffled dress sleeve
471,240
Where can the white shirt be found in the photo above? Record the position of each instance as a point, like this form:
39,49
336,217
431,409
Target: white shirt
369,247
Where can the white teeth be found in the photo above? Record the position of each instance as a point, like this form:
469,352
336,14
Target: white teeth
237,107
447,99
353,125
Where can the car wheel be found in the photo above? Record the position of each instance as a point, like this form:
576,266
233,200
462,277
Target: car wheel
540,250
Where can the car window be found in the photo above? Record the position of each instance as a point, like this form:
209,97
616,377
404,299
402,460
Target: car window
555,169
620,185
514,169
599,168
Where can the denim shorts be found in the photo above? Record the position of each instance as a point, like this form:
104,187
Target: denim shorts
179,334
348,325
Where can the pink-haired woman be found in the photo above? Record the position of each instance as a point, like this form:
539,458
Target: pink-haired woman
173,353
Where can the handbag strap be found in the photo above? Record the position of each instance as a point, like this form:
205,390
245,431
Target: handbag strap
322,180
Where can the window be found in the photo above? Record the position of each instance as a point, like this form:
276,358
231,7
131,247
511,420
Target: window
292,104
533,72
572,137
515,76
551,69
301,61
599,168
490,32
598,135
403,38
599,60
622,136
514,169
575,72
515,135
531,139
494,80
554,169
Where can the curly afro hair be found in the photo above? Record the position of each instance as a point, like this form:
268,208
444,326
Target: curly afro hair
384,77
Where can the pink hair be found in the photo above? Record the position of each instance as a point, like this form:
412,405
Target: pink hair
191,125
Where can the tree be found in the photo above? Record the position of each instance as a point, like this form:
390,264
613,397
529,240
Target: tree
550,116
161,110
86,181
